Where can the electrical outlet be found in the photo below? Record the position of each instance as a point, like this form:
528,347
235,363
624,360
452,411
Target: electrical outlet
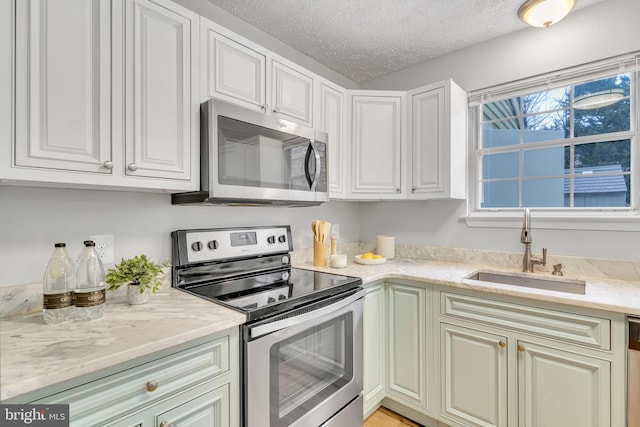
104,246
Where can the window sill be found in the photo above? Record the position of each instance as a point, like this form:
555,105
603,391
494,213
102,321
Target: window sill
595,221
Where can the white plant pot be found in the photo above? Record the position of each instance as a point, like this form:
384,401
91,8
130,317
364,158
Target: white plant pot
134,295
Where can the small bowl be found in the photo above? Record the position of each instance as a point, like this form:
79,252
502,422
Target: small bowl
378,261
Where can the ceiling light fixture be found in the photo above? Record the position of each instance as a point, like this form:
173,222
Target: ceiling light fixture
544,13
600,99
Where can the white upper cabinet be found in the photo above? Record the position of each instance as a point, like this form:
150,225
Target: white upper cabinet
161,119
231,70
105,95
63,92
377,144
239,71
292,93
331,118
437,142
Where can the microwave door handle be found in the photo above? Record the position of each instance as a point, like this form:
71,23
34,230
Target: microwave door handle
312,182
319,315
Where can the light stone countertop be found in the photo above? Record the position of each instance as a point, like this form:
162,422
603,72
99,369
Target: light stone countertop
34,354
608,294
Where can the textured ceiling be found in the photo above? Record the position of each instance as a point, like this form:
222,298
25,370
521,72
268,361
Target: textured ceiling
365,39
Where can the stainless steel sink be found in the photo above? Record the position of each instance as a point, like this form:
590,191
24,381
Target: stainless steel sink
558,284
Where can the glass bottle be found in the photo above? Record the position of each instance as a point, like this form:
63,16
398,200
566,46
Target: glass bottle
58,286
90,291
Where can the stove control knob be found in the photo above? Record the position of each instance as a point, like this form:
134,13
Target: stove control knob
281,297
270,300
285,259
285,275
282,239
271,239
196,246
213,245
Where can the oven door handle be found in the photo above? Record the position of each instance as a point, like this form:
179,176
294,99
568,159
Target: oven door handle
319,314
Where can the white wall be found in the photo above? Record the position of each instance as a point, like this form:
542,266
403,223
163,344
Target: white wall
604,30
33,219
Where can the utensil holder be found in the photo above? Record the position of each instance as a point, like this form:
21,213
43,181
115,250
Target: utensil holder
319,253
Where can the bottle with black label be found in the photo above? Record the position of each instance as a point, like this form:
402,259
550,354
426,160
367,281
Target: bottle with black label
90,291
58,286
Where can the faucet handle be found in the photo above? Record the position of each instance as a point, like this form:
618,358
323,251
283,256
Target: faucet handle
557,270
544,256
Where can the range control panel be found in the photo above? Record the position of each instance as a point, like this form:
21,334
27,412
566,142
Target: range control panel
219,244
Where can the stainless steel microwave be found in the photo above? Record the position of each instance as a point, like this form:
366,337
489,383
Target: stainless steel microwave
252,158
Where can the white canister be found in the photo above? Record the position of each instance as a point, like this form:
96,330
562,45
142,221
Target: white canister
386,246
338,261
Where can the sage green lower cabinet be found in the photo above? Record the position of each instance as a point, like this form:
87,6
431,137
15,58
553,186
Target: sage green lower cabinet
511,362
200,407
374,342
457,357
562,388
195,384
407,334
474,376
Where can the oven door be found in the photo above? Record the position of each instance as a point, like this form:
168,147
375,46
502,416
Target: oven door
302,370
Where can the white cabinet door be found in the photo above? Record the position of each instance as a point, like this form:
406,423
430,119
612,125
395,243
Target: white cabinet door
161,122
407,335
332,120
292,94
374,352
377,138
559,388
474,376
437,147
231,70
7,111
63,92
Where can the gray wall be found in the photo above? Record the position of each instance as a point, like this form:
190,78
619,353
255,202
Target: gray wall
601,31
606,29
32,219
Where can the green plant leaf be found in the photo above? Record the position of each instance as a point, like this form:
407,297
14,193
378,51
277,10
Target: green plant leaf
139,270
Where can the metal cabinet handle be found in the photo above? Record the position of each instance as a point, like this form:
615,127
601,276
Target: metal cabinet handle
264,107
152,386
108,164
502,344
132,167
276,110
165,424
520,348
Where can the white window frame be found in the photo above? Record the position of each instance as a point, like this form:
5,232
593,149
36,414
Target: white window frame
619,219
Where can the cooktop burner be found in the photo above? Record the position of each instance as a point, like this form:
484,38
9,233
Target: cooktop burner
249,270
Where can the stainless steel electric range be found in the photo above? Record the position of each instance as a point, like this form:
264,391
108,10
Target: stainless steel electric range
301,346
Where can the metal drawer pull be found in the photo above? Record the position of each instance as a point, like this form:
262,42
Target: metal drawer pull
520,348
132,167
108,164
502,344
165,424
152,386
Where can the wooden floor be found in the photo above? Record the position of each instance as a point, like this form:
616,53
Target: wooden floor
386,418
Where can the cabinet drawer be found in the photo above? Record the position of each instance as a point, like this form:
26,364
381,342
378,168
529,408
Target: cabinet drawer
132,389
580,329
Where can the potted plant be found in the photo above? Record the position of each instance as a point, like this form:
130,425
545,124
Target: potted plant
140,274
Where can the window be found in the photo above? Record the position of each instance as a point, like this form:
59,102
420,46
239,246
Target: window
566,143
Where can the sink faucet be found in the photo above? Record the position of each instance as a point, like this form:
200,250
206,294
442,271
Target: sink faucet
528,260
